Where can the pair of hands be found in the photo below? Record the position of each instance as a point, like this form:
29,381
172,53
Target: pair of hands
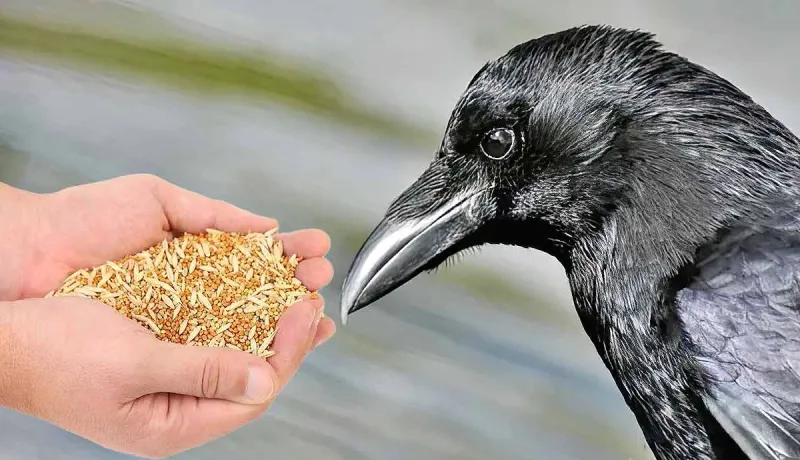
82,366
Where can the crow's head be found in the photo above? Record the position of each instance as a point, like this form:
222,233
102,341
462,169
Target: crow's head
557,135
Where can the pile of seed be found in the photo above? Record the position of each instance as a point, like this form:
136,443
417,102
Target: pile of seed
214,289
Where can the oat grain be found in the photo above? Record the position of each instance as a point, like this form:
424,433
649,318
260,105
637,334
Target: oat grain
216,289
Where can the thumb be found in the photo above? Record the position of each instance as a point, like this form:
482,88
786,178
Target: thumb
213,373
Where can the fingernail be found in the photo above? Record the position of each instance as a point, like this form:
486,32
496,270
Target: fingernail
259,385
313,318
312,315
321,342
317,318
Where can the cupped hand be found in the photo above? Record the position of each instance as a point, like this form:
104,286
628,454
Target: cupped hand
87,225
84,367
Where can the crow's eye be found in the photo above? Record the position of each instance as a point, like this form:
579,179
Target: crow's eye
498,143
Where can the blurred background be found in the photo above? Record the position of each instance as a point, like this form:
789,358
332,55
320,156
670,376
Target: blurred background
319,113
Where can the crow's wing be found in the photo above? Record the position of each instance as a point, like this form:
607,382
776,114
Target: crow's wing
742,316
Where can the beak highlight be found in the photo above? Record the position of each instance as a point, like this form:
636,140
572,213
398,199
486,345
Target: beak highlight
399,248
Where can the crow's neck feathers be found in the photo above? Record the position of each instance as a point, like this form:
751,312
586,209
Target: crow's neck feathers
684,192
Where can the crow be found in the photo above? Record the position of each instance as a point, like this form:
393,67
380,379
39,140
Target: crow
671,199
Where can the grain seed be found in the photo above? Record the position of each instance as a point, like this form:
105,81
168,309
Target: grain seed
243,283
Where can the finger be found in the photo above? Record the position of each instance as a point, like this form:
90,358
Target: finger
190,212
308,243
296,328
325,331
204,372
315,273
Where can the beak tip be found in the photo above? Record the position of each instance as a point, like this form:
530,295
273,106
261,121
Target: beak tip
350,301
346,310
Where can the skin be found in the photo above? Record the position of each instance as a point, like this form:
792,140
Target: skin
80,365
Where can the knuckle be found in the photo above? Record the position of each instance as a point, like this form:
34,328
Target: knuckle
211,377
146,180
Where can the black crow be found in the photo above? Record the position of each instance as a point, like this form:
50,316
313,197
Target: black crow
671,199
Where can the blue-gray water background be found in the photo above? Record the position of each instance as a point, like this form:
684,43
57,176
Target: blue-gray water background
319,113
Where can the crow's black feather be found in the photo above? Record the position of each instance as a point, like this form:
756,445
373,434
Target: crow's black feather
671,198
741,314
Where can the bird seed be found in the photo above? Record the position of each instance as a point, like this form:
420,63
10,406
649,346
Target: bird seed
215,289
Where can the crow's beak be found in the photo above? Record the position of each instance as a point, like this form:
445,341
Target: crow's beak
426,222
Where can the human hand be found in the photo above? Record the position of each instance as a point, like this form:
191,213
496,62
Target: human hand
84,367
79,227
84,226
